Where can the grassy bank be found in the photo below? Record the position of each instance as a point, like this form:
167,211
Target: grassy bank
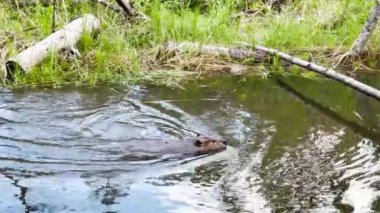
124,50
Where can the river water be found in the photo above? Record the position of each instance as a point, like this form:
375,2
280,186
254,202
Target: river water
294,145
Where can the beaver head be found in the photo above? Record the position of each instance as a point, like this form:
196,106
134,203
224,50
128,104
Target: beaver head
207,145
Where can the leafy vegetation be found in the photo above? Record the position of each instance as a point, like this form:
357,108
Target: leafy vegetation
123,51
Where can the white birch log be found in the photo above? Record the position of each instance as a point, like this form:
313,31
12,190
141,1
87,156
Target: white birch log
62,39
355,84
260,54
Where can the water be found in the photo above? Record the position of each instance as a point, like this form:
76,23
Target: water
295,145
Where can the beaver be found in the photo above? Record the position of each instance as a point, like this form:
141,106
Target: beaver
178,149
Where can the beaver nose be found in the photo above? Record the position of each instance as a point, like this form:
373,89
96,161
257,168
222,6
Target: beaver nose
224,142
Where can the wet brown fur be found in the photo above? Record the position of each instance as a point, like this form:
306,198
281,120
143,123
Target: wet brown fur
152,149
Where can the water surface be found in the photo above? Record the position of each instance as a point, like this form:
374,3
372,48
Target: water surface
295,144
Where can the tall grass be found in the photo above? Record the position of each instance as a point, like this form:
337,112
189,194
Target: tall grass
115,54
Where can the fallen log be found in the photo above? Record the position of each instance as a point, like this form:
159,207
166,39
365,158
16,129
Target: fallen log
65,38
330,73
260,54
214,50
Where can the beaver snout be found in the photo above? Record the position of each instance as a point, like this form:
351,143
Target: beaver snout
206,145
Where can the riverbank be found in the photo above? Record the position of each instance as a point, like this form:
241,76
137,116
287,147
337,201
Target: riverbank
125,50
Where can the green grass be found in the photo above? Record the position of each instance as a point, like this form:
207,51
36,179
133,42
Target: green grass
118,53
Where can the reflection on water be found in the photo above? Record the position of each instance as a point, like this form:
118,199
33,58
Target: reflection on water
295,144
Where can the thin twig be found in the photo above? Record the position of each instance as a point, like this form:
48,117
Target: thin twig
53,24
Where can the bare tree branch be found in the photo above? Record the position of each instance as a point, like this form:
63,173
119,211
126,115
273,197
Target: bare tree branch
127,6
261,53
359,45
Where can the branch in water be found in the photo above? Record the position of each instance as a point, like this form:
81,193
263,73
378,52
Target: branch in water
260,54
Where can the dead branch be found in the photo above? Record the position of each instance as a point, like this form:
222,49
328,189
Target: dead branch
260,54
127,6
359,47
368,90
109,6
360,44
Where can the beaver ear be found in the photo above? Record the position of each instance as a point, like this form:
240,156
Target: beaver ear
197,143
